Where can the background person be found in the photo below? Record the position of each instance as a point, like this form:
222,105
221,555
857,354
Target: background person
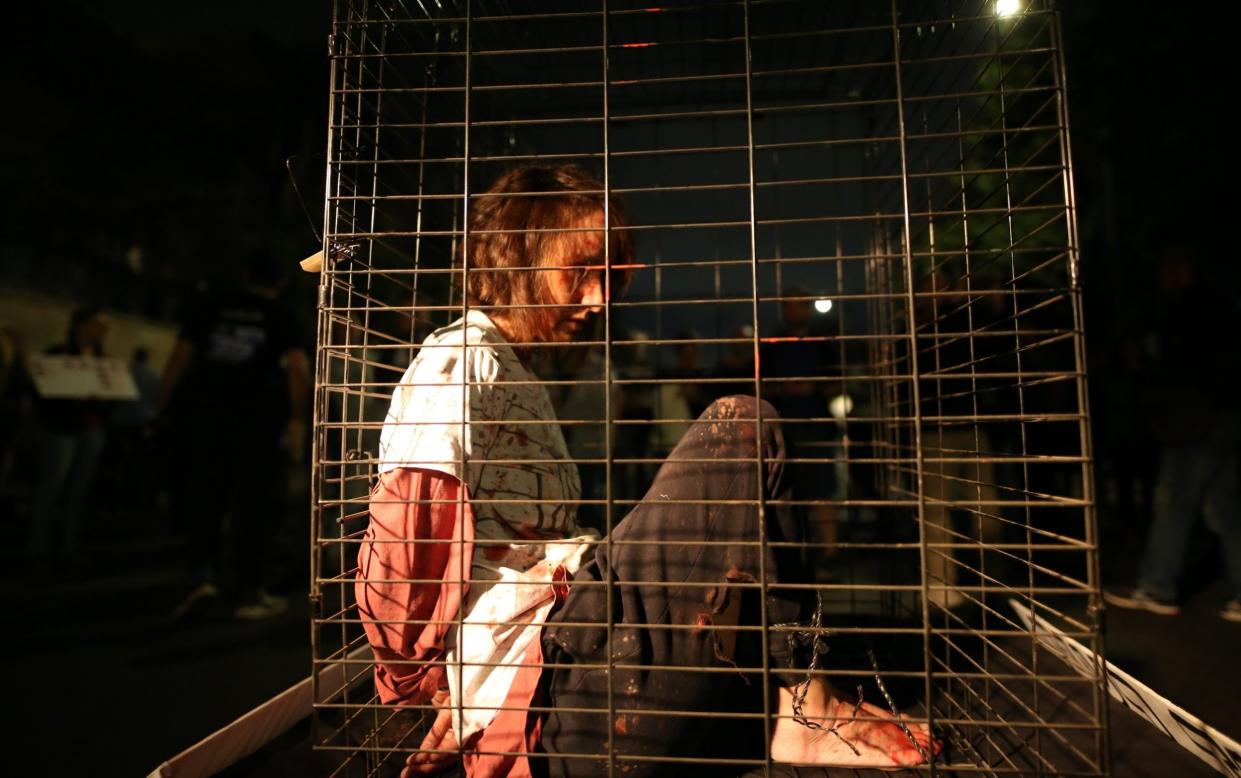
235,393
70,435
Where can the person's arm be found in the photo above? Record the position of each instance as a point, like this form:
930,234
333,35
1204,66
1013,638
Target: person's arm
406,623
415,504
297,374
182,353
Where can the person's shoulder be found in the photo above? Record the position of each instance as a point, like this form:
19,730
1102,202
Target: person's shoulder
445,350
473,329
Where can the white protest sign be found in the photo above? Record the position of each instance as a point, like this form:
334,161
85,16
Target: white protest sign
1207,743
58,376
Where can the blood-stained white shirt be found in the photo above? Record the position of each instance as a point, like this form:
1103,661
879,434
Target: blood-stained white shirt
469,408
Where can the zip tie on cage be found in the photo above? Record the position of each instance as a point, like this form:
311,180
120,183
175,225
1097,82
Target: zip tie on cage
896,714
340,250
336,252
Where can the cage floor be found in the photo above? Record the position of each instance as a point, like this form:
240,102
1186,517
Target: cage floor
1137,753
113,618
1137,750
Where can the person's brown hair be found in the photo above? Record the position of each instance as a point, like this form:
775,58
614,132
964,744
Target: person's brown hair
521,222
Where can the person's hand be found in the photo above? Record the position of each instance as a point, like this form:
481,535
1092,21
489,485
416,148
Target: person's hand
440,737
295,439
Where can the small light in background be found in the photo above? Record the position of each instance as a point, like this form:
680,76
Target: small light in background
841,406
1007,7
823,306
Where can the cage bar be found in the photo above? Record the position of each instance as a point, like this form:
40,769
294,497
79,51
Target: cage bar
903,166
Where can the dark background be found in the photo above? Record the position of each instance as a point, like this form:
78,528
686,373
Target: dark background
166,127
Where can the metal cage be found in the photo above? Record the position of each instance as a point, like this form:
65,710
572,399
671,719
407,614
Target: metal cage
903,169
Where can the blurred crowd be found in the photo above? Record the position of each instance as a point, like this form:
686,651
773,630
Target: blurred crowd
205,452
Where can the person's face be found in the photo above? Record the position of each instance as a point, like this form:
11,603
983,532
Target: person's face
577,281
92,331
797,312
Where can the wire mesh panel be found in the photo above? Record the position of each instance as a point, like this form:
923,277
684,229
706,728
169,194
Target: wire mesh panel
861,214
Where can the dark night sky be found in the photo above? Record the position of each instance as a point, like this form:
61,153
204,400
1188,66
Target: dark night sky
168,127
138,124
1151,162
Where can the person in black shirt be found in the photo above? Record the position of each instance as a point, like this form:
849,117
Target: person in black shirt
1195,414
234,389
797,365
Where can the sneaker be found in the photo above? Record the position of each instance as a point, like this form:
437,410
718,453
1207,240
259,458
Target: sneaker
264,606
1138,599
1231,611
195,601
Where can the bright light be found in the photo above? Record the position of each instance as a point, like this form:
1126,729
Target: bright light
841,406
1007,7
823,306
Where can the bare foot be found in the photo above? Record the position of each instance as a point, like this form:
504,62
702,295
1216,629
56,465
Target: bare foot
867,737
